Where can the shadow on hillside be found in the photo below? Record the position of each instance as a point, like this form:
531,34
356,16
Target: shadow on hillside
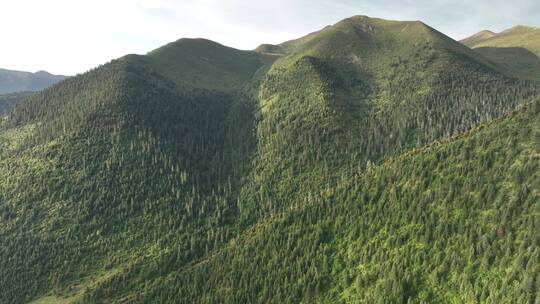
520,61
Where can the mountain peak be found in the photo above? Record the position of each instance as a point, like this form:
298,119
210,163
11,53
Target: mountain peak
517,49
186,43
369,23
204,63
480,36
42,72
484,35
519,28
362,34
17,81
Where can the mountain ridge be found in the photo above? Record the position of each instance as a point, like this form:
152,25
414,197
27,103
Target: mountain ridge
12,81
516,49
480,36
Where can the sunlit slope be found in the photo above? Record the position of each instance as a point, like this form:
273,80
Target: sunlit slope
516,49
450,222
478,37
519,36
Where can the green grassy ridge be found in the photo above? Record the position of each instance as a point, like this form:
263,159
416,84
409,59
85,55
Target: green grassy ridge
373,38
206,64
516,50
421,227
478,37
518,36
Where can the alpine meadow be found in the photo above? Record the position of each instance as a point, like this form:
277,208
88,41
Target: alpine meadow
372,161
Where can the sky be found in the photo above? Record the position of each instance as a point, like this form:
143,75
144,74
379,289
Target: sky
72,36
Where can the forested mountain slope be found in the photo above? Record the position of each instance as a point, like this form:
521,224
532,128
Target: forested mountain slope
136,181
8,101
451,222
207,64
102,168
17,81
362,89
516,49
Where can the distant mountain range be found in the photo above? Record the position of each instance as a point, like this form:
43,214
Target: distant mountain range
17,81
373,161
516,49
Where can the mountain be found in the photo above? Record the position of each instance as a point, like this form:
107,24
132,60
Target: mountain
478,37
135,151
366,88
205,64
372,160
516,49
518,36
17,81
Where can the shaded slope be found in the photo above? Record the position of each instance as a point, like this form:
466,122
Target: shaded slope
8,101
518,61
17,81
516,49
119,161
205,64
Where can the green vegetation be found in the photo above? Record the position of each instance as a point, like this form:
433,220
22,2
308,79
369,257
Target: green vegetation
516,49
478,38
519,36
206,64
373,161
453,222
8,101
